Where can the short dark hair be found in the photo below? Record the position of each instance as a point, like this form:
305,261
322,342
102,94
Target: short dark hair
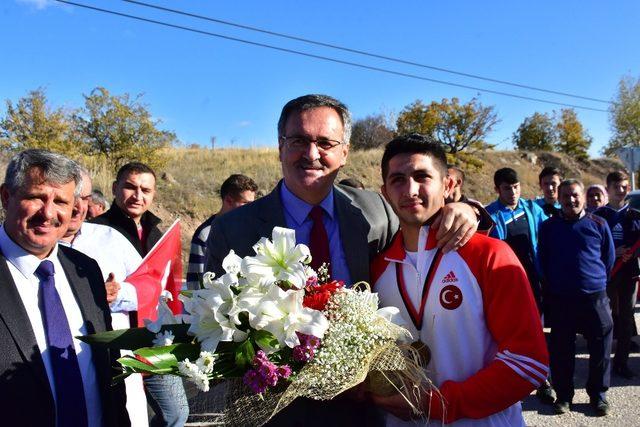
570,181
457,169
414,143
505,175
616,176
236,184
134,168
549,171
309,102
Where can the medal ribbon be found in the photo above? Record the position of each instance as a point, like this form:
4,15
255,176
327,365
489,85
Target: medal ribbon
417,316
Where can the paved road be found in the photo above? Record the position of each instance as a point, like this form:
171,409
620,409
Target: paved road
624,397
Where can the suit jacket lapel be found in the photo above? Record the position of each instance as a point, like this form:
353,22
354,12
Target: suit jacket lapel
353,234
272,214
14,315
79,283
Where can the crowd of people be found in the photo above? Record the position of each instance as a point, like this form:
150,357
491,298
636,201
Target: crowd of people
475,284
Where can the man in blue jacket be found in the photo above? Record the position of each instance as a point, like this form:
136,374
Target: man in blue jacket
576,255
516,222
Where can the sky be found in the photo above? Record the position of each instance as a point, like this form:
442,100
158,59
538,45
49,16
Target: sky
201,86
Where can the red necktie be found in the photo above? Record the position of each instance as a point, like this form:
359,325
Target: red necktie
319,241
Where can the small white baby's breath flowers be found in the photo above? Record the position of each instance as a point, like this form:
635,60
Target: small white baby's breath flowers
356,328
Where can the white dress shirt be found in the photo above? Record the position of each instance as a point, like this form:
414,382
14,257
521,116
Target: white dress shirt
22,266
115,254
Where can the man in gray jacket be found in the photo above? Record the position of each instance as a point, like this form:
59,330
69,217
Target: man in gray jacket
344,227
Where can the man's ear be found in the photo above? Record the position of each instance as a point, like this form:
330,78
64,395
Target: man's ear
383,190
114,187
280,148
228,200
345,154
449,185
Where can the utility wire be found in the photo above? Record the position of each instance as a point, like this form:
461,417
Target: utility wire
325,58
362,52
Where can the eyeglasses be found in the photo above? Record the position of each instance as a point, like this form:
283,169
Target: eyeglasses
300,143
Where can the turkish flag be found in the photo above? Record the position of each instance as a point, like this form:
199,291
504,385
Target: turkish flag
161,269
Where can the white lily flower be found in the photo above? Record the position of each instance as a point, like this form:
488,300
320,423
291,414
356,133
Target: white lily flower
165,315
208,279
282,313
231,263
279,259
209,316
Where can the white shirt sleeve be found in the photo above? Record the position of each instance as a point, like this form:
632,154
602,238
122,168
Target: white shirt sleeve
127,299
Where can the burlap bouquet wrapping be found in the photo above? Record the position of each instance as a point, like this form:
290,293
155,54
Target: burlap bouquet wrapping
386,364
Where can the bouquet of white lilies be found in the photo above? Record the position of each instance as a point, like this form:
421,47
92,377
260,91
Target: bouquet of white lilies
274,329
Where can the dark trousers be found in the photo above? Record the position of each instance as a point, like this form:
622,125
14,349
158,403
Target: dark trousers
622,291
590,314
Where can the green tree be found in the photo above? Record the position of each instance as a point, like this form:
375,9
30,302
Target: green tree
371,132
573,138
121,129
32,123
461,128
536,133
624,115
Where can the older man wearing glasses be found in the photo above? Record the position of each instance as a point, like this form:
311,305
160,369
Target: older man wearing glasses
342,226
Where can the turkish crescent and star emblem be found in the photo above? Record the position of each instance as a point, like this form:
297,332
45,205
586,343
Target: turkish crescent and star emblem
450,297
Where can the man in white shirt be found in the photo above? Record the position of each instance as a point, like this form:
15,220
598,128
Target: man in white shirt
117,259
48,295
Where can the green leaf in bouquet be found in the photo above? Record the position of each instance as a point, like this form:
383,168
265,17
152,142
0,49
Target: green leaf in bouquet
265,340
165,359
135,338
133,365
187,293
245,354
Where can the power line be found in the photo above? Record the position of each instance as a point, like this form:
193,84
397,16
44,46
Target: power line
326,58
365,53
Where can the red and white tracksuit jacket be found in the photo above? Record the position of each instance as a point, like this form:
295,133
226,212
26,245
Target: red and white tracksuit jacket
480,321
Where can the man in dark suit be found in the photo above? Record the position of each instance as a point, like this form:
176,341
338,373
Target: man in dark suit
343,226
48,295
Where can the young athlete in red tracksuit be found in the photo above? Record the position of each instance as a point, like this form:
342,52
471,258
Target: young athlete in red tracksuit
473,308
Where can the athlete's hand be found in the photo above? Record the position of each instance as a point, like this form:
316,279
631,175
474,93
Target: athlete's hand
456,224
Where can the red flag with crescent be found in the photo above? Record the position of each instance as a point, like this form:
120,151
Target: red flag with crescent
161,269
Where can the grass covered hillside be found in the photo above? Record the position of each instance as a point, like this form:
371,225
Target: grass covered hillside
188,186
193,177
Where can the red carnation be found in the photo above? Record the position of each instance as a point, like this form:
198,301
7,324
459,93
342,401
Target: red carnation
316,297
